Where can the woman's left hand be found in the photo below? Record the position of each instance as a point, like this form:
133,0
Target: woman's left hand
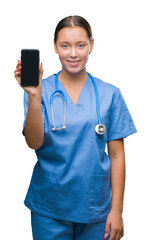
115,223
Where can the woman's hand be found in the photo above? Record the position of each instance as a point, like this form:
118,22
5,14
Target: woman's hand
34,128
34,91
115,223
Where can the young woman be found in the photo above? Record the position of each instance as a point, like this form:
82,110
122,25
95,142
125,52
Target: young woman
77,189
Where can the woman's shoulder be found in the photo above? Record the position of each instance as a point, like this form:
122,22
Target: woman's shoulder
106,86
49,79
48,84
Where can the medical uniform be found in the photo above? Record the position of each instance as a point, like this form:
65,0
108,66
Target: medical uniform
71,179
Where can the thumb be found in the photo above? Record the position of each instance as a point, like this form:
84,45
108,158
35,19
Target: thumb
107,230
40,72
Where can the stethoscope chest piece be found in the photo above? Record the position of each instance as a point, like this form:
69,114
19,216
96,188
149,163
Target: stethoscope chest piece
100,129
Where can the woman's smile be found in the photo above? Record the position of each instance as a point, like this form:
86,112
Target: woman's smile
73,63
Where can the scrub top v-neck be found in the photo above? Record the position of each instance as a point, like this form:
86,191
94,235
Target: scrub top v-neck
84,90
71,179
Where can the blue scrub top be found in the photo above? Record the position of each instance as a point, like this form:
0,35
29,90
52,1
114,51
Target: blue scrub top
71,179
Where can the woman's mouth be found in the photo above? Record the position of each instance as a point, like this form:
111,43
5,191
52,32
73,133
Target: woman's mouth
73,62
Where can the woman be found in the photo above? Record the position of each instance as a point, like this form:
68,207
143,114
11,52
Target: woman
76,190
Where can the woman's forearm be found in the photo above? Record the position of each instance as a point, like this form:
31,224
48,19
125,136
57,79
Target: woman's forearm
117,182
34,129
117,158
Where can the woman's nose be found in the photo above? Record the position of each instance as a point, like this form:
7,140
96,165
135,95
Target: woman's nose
73,52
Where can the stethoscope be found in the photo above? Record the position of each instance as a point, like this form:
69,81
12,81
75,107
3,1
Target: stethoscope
99,128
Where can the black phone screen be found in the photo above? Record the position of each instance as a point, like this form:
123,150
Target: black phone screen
29,67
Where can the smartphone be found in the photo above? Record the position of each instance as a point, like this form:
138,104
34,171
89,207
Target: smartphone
30,67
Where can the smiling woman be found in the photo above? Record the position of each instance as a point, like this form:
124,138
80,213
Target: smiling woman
73,51
76,190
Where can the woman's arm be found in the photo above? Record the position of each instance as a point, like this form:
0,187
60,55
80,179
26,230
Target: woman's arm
34,129
117,156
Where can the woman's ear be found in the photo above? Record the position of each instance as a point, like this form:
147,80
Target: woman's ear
55,47
91,45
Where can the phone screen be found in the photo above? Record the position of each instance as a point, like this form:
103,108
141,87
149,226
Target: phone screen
29,67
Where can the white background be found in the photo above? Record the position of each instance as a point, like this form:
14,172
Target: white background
121,56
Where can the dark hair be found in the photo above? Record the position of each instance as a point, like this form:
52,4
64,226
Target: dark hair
72,21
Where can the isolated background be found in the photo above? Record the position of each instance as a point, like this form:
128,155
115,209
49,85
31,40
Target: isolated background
121,56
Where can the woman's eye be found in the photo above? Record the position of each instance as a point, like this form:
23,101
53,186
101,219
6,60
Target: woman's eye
81,45
64,46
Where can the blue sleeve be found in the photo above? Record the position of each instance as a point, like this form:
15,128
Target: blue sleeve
26,109
121,123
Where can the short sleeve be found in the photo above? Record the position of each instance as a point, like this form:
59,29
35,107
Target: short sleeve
26,110
121,123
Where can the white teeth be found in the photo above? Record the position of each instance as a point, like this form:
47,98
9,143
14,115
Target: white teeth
73,61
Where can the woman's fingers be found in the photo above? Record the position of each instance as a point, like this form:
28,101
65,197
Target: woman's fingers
17,72
107,229
18,68
18,64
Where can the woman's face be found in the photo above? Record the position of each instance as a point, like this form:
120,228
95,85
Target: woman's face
73,47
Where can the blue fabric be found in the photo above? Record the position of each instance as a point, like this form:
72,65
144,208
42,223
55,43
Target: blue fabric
45,228
71,179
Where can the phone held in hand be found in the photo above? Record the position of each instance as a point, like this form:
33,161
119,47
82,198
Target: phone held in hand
30,67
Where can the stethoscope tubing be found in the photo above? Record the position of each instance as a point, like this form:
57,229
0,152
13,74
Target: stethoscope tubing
57,90
96,96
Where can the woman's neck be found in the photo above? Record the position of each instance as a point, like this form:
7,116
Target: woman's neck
71,78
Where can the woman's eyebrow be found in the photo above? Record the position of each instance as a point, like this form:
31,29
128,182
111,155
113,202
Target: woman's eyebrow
81,41
76,42
64,42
